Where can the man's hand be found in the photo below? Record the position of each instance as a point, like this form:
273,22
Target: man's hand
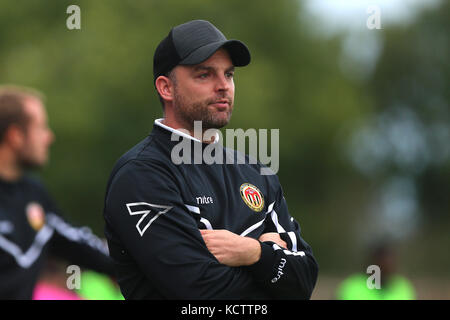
231,249
274,237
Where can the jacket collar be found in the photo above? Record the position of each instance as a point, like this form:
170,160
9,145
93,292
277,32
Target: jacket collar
158,122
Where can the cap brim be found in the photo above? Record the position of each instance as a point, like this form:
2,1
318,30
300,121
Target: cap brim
239,53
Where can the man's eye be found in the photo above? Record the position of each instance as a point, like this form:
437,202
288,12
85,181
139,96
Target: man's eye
203,76
229,74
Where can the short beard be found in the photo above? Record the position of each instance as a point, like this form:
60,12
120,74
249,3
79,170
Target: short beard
187,112
27,163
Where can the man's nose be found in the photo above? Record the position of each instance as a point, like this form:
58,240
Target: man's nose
223,83
51,136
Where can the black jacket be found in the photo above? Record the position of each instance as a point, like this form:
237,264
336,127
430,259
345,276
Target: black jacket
155,208
30,230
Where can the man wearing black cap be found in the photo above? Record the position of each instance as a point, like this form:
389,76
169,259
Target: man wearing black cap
200,231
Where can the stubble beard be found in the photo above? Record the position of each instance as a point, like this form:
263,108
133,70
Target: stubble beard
27,162
29,158
189,111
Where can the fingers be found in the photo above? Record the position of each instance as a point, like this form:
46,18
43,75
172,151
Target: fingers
206,231
218,243
212,237
273,237
231,249
217,238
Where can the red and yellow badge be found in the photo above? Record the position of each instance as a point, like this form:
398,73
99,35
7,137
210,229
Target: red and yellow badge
35,215
252,197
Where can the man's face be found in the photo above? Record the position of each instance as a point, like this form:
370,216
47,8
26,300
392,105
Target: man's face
37,137
205,92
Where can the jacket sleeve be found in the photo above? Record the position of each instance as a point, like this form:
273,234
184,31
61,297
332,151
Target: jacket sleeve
144,208
286,273
76,245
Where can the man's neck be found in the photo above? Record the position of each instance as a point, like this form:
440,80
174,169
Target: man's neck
9,170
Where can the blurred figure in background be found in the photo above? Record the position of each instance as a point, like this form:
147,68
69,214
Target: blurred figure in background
31,227
393,286
52,284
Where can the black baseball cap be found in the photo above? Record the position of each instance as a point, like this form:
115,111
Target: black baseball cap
192,43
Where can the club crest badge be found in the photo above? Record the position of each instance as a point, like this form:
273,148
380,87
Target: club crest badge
35,215
252,197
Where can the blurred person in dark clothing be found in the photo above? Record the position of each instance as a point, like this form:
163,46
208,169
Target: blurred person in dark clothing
31,226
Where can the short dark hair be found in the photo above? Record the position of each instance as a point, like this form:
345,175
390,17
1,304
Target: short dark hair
12,106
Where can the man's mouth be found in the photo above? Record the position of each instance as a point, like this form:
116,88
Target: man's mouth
221,104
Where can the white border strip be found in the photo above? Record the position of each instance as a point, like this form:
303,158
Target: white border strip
253,227
158,122
193,209
202,220
258,224
287,252
26,259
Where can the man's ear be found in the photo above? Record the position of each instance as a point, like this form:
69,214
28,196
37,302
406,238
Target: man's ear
14,136
165,87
